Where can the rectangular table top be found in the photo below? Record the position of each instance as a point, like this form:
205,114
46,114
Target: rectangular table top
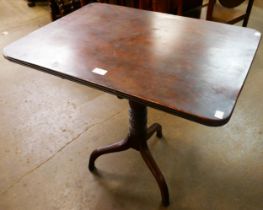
191,68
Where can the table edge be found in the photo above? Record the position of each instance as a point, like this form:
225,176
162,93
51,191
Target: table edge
195,118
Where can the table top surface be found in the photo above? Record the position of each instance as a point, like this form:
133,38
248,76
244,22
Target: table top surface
191,68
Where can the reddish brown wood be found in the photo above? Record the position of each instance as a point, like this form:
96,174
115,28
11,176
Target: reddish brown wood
210,9
187,67
179,7
60,8
184,66
137,139
248,11
156,127
170,6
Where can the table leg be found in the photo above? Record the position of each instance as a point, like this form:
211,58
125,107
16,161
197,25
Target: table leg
137,139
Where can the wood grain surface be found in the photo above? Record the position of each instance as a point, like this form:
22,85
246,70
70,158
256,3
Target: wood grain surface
191,68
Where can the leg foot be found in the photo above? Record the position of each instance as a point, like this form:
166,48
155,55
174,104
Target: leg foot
147,157
156,127
117,147
137,139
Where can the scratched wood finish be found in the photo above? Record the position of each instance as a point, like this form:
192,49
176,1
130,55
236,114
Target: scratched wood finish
187,67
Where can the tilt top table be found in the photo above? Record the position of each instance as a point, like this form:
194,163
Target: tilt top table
191,68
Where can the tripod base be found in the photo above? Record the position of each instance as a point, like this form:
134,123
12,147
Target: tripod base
137,139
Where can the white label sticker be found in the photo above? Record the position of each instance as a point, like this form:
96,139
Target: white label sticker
4,33
99,71
219,114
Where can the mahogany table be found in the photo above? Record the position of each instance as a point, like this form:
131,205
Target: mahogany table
191,68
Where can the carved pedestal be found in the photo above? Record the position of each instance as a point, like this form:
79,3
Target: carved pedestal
137,139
